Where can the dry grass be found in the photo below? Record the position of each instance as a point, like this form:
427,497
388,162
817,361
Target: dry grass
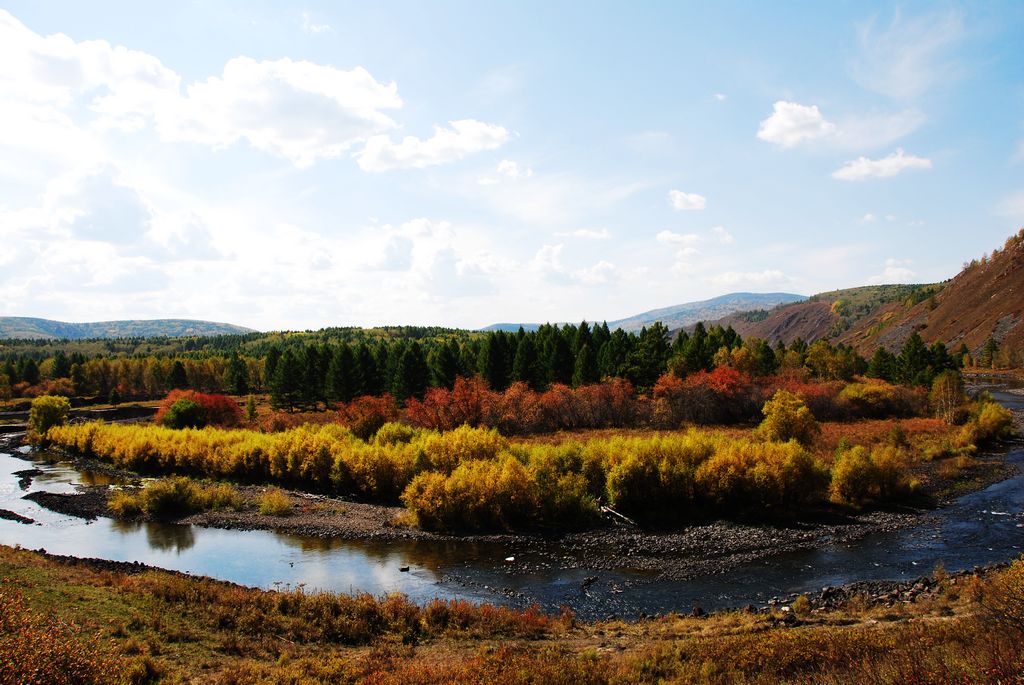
193,630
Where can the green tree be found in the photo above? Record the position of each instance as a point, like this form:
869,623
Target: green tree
237,375
882,365
493,364
646,362
61,365
29,371
444,364
560,360
913,362
585,370
178,379
987,358
413,375
286,385
526,366
342,383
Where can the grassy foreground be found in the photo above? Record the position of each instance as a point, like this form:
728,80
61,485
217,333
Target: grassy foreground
64,618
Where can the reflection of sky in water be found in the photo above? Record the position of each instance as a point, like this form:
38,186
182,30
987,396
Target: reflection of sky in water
980,528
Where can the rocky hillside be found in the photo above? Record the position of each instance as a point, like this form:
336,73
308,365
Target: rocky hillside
985,299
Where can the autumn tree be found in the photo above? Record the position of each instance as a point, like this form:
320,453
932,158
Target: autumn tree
786,417
947,395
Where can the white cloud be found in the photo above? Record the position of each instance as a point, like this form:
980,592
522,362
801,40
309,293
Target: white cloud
896,271
909,56
672,238
876,129
507,167
298,110
684,201
868,218
760,278
548,261
791,124
465,137
602,272
863,168
721,97
587,234
723,235
311,27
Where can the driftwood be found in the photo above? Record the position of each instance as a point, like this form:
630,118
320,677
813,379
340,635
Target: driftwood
608,511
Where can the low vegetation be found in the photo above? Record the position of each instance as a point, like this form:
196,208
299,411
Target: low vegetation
476,479
69,622
174,497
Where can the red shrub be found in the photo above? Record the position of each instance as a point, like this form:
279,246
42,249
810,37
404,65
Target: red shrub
466,403
365,415
219,410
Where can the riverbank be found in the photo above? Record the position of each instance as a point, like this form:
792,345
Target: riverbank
137,624
702,549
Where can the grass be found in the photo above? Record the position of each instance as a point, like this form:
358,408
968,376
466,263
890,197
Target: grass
275,502
158,624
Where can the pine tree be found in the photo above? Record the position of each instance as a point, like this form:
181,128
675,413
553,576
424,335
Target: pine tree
412,377
560,360
882,365
237,376
29,371
61,365
526,365
341,382
912,362
444,365
493,364
270,365
585,369
286,385
178,379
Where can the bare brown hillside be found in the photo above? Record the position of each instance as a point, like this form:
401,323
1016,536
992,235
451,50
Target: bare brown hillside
808,321
985,299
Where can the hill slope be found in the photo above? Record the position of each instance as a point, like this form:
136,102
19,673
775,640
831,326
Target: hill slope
26,328
985,299
689,313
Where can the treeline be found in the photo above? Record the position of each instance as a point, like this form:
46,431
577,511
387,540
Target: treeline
309,375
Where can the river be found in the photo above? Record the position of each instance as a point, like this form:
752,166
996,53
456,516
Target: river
980,528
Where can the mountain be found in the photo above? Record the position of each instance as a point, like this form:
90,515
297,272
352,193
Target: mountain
682,315
511,327
986,299
25,328
689,313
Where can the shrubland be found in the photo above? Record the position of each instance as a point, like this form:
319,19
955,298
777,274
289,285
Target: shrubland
476,479
65,621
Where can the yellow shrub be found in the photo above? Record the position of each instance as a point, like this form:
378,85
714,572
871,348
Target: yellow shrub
786,417
860,476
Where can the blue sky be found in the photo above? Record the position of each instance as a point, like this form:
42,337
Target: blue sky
287,165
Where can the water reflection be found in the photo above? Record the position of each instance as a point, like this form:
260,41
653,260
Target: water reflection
163,537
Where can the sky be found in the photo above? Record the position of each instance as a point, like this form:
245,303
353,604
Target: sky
296,166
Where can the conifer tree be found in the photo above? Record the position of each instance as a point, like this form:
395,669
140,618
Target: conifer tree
585,370
286,386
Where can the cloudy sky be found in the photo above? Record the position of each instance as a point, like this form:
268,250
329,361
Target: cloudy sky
284,165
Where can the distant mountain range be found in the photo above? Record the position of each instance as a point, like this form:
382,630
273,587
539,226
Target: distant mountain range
686,314
26,328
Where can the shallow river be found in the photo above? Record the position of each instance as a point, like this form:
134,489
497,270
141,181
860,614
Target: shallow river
980,528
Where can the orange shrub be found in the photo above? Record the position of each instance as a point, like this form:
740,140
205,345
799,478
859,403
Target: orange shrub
365,415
